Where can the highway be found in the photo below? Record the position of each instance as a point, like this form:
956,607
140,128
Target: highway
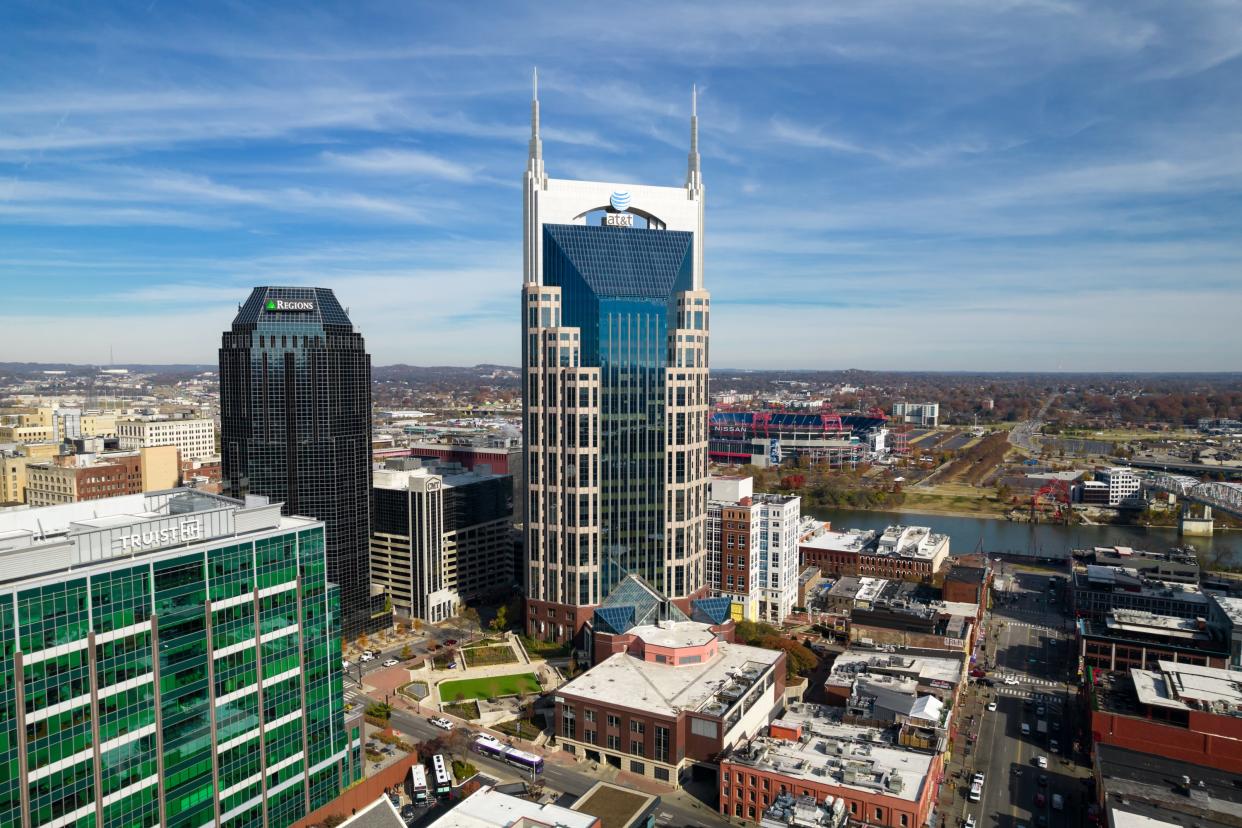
1025,435
1029,638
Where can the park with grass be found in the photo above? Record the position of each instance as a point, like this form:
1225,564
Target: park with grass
489,655
489,687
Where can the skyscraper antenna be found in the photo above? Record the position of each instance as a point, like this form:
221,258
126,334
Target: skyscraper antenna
536,145
693,169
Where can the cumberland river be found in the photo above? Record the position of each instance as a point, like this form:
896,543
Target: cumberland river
1225,548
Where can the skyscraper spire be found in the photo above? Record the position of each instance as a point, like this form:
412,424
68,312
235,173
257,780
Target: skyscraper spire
693,171
536,145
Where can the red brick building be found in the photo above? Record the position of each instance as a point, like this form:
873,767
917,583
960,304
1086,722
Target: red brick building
1182,712
811,753
676,697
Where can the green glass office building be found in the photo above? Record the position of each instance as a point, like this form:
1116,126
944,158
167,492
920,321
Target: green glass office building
168,659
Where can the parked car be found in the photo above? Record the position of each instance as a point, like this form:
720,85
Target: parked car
392,662
366,657
991,707
1026,729
1042,761
441,722
970,821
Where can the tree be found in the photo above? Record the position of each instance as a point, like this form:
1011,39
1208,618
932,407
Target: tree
471,616
363,642
501,621
406,652
416,625
799,660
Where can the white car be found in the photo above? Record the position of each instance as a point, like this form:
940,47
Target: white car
392,662
1011,679
442,723
978,777
366,657
991,707
970,821
1042,761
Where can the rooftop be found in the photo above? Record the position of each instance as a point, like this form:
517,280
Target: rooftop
852,663
1231,606
616,807
674,634
853,540
489,808
379,814
1181,686
1150,786
830,752
56,538
1166,626
710,688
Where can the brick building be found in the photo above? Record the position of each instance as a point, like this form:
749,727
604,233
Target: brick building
811,753
1132,638
675,699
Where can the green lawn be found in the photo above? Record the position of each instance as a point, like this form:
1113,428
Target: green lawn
492,687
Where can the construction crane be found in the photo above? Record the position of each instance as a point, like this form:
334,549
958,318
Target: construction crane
1055,496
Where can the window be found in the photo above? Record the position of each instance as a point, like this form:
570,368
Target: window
905,820
589,715
614,741
703,727
638,767
661,774
590,738
567,722
614,721
637,726
661,745
879,814
636,747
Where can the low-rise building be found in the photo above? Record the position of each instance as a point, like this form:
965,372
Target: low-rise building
489,808
678,697
77,477
811,752
836,553
966,584
1135,789
908,553
1175,566
906,619
1101,589
808,584
938,676
1183,712
1132,638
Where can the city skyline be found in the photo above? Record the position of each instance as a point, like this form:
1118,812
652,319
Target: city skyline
988,203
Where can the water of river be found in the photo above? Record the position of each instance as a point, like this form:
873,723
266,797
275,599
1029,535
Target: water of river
966,533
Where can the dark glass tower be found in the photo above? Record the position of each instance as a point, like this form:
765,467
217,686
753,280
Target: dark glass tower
295,416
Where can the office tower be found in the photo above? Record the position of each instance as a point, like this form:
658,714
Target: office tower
440,536
169,659
295,423
614,352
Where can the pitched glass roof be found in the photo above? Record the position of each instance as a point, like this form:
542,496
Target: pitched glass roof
618,261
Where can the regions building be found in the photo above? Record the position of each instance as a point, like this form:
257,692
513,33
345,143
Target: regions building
171,660
672,701
907,553
194,437
1127,638
860,773
752,548
440,536
77,477
295,426
615,323
1182,712
919,414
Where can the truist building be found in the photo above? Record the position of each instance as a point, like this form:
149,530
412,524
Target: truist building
614,349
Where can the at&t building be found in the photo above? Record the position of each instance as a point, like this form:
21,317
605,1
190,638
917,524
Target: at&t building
615,356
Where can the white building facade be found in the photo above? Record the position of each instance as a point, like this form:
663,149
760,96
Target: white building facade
753,553
1124,486
194,438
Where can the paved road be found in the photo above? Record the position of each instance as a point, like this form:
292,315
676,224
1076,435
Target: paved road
419,646
674,810
1025,435
1032,642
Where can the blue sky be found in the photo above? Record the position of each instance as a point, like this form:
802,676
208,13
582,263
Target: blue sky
969,184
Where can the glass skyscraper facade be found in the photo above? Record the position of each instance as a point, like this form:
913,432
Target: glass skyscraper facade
172,660
615,355
295,425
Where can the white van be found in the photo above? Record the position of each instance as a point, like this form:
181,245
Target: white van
1026,729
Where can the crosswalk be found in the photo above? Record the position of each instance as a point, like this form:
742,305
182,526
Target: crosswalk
1027,692
353,693
1040,627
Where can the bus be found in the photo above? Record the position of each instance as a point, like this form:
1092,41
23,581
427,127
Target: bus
441,776
491,746
417,784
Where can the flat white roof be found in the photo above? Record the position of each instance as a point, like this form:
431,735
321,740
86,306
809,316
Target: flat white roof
674,634
926,669
834,748
627,681
852,540
1176,684
1128,819
489,808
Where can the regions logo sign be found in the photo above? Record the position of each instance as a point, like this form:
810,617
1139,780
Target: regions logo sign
620,201
289,305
